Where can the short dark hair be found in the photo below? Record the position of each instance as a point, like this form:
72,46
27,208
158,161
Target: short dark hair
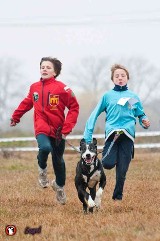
56,64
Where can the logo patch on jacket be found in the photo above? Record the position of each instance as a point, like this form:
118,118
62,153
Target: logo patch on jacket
35,96
53,101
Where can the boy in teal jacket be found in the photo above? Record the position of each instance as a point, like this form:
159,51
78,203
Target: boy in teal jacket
122,107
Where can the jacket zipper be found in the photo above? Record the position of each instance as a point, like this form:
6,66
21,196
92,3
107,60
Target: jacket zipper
48,98
47,105
43,105
42,97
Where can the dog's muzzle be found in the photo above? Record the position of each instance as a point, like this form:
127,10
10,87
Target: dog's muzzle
88,159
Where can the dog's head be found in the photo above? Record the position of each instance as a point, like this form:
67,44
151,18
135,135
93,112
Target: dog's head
88,151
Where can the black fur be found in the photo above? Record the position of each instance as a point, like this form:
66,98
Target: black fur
89,172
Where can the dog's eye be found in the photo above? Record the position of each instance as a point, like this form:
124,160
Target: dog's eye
91,148
83,148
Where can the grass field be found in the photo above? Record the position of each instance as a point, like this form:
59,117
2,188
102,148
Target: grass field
26,205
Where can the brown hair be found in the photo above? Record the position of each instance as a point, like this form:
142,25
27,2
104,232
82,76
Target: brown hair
118,66
56,64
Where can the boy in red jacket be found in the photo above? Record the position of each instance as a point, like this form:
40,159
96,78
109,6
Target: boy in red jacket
49,98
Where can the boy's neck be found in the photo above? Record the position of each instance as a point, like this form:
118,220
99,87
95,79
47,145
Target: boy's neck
120,88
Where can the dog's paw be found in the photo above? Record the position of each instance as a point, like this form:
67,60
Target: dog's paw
98,197
99,192
91,203
97,202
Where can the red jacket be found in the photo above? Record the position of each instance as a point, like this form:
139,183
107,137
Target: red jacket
49,99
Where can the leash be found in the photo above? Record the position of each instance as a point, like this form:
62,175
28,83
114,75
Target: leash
73,146
59,138
117,135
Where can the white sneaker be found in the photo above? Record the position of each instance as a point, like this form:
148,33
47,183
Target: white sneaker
43,180
60,194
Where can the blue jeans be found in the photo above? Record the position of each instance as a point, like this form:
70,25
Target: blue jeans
119,156
46,145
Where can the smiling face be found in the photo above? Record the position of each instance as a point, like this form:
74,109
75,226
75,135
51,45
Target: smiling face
120,77
88,153
47,70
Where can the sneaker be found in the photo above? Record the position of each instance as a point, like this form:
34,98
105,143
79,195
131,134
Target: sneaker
60,194
43,180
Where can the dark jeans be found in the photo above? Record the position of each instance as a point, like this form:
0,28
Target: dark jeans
119,156
46,145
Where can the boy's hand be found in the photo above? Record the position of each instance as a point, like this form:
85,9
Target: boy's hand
146,123
13,123
63,136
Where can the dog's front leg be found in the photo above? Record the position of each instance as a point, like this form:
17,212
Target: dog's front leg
98,197
90,201
92,194
91,204
85,197
99,192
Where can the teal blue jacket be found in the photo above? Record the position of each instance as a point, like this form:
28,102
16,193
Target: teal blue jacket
122,107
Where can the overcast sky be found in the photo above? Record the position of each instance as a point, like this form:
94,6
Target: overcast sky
73,29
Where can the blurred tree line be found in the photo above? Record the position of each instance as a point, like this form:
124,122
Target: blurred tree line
91,78
12,87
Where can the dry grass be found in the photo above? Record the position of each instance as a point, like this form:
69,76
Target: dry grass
25,204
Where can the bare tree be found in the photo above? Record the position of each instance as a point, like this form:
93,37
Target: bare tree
9,92
90,76
143,78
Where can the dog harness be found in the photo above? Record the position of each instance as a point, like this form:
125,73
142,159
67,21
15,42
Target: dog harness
91,174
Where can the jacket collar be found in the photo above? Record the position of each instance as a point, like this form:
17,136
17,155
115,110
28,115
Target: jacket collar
120,88
47,81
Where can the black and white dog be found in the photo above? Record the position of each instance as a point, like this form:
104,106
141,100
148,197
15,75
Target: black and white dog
89,173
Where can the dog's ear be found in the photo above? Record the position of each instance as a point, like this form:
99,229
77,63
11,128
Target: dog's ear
82,141
95,141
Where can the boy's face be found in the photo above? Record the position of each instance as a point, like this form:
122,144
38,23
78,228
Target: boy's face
120,77
47,70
